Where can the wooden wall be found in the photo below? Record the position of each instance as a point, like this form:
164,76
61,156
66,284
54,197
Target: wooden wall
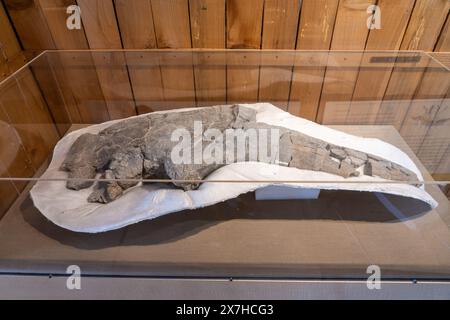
322,94
27,130
236,24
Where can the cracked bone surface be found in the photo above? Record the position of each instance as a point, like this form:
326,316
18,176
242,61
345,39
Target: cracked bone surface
141,147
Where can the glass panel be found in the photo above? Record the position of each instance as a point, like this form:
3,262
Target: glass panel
356,201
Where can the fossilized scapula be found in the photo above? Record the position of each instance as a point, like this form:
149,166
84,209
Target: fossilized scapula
141,147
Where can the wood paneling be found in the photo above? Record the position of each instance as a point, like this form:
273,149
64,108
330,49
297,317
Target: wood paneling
422,32
30,24
279,32
244,25
102,32
350,33
172,29
27,112
314,33
11,56
77,97
434,150
371,82
137,29
208,31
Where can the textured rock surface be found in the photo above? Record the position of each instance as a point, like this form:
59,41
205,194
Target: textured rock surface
141,147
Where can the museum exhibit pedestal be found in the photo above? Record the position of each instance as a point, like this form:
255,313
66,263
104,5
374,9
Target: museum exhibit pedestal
271,249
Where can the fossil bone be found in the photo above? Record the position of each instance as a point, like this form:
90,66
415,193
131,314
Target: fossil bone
141,148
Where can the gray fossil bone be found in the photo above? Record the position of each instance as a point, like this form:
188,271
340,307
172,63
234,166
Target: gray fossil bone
141,147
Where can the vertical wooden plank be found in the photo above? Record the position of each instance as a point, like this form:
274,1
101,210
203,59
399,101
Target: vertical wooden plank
350,33
244,25
279,32
207,23
208,31
102,32
13,159
371,82
37,108
314,33
11,56
137,30
136,24
30,24
172,29
61,102
54,12
242,77
434,150
78,81
79,85
424,27
26,106
27,113
171,18
51,90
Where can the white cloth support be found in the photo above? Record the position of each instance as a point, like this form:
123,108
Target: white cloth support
70,209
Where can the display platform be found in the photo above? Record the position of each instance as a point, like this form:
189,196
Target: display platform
334,237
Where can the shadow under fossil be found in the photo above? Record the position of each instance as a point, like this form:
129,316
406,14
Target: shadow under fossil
331,205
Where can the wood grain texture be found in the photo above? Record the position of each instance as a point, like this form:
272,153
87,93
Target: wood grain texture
172,29
100,24
137,30
79,87
279,32
136,24
434,149
54,12
52,92
314,33
350,33
102,32
427,20
244,25
30,25
371,82
26,110
171,18
60,97
207,23
208,31
11,56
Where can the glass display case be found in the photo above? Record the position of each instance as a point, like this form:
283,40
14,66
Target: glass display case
334,229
